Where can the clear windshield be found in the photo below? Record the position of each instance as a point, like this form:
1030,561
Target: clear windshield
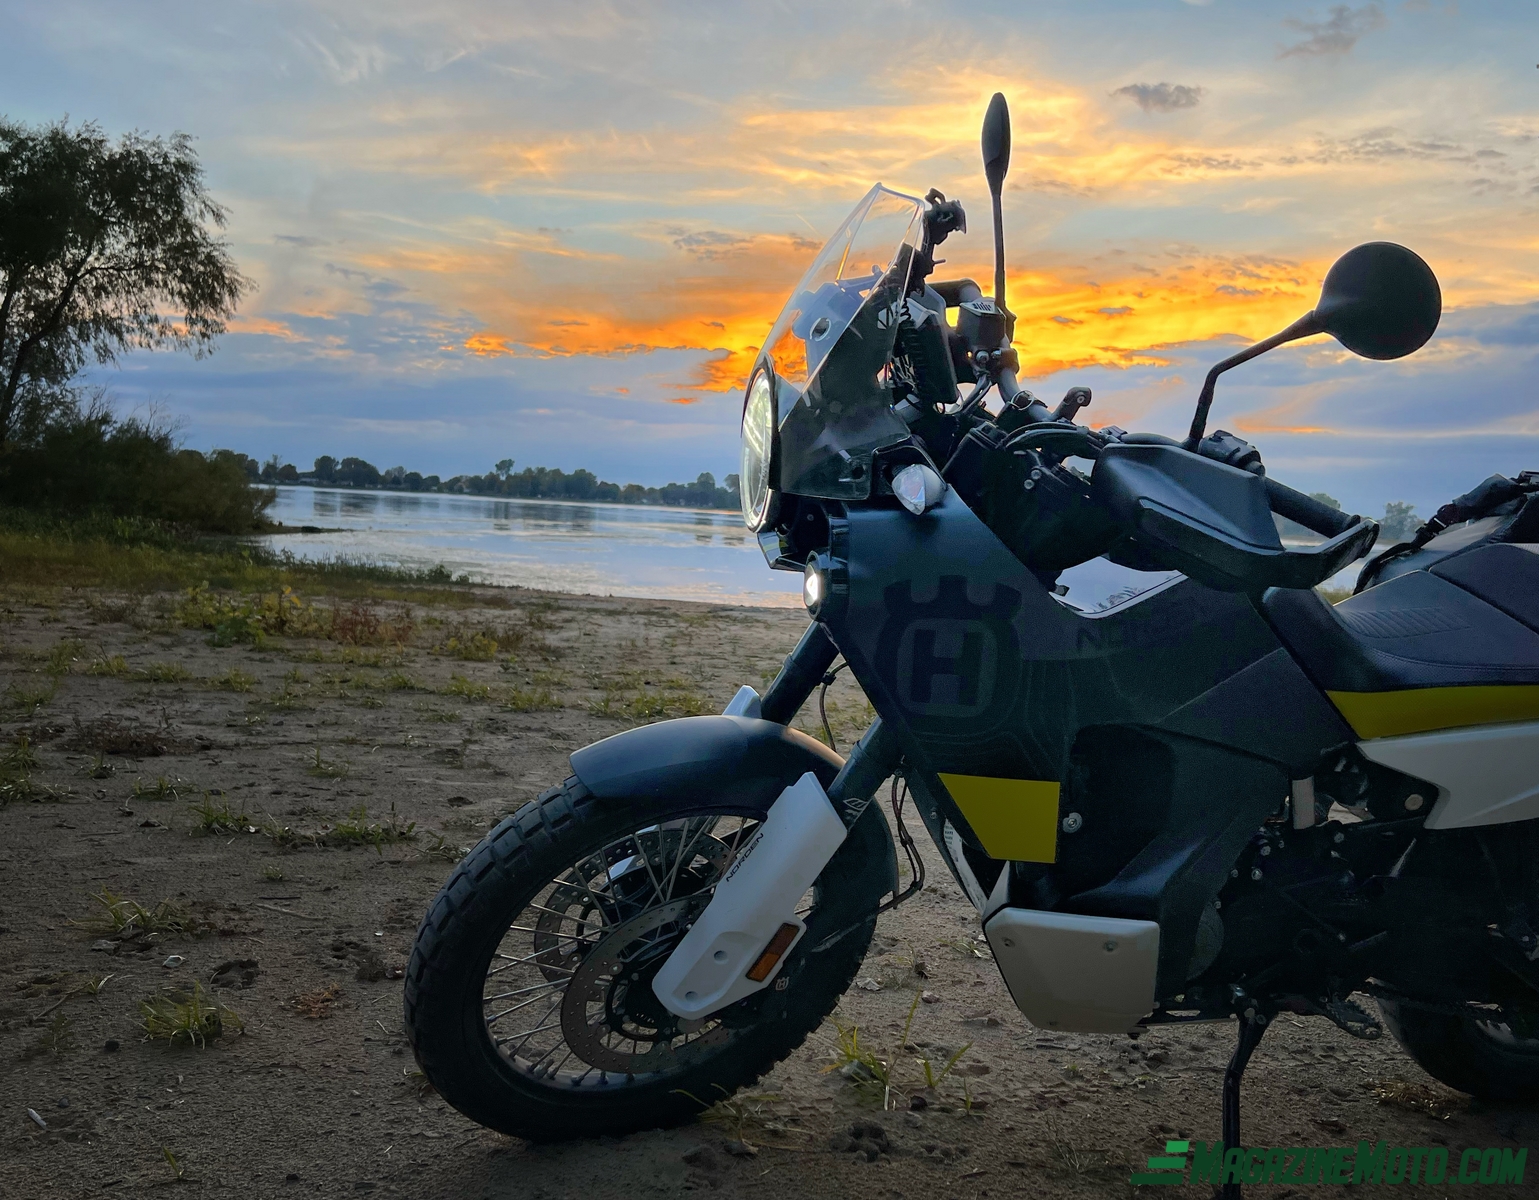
830,344
839,281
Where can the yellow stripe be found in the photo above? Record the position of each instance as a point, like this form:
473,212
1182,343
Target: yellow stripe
1385,714
1015,819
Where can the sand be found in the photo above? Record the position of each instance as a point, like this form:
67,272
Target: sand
298,803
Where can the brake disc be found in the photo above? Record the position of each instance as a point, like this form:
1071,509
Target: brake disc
610,996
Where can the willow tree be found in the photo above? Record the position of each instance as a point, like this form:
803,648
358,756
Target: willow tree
105,247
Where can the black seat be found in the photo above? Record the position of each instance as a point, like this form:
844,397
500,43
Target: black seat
1419,630
1505,575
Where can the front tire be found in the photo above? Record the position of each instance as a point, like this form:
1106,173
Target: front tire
558,919
1477,1053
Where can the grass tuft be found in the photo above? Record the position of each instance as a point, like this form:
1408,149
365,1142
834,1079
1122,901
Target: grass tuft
323,768
164,788
128,918
357,830
187,1018
210,816
31,698
235,680
163,672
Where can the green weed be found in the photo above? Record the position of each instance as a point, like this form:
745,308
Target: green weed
20,757
536,700
63,656
210,816
235,680
163,672
30,699
178,1172
357,830
187,1018
874,1076
129,918
324,769
115,667
164,788
458,685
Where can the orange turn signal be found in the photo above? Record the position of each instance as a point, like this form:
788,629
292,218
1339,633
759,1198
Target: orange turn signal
777,947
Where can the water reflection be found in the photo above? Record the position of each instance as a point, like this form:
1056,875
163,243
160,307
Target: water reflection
601,549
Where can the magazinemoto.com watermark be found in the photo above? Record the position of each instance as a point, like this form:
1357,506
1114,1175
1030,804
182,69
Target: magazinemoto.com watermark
1379,1162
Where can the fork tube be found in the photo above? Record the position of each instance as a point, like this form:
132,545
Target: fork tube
874,758
802,671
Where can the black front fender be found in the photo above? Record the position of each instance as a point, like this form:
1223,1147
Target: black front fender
734,760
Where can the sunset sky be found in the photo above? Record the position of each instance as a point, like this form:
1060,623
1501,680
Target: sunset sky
556,232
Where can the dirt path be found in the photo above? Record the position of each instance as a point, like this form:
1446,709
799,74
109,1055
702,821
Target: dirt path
297,803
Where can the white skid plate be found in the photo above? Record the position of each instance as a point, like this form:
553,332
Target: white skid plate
1078,974
758,895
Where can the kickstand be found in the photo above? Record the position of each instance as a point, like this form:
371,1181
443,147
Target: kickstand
1252,1025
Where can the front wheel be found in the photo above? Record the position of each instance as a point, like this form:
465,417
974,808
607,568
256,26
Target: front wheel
1490,1054
529,997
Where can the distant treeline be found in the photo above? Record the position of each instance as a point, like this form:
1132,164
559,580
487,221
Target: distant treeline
547,483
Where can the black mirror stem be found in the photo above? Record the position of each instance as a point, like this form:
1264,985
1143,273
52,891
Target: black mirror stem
1305,326
996,162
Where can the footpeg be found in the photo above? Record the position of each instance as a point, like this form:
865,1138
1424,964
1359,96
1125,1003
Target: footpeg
1353,1020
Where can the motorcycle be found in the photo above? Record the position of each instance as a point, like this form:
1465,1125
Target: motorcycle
1205,794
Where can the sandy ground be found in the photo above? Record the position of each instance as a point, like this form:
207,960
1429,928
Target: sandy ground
227,782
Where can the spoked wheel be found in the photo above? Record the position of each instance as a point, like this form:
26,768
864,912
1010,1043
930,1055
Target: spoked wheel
529,996
1490,1053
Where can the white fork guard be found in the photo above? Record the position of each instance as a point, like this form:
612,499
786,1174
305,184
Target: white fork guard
759,894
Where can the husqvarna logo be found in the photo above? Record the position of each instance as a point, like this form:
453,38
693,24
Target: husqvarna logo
950,657
947,667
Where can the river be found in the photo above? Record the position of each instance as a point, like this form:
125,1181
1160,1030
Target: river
597,549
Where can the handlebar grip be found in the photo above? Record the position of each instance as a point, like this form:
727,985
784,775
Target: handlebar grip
1306,511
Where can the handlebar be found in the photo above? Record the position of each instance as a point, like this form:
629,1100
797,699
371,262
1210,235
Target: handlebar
1310,513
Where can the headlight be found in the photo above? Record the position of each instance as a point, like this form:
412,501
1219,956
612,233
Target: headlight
758,443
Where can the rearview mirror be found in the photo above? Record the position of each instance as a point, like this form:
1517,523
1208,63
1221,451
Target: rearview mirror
996,142
1379,300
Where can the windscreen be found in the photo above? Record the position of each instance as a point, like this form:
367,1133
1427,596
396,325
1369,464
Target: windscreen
830,345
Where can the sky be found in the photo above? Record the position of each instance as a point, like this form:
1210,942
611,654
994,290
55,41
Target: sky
486,229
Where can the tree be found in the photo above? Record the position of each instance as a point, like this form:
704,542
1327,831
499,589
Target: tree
503,467
355,472
325,468
1400,522
105,247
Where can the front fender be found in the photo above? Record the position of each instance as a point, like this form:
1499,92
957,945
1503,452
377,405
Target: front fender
734,760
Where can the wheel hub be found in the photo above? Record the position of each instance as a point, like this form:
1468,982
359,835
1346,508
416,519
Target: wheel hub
609,1002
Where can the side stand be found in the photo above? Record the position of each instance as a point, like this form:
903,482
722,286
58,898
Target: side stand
1252,1026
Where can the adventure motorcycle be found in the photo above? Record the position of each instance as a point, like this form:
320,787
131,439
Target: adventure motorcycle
1208,796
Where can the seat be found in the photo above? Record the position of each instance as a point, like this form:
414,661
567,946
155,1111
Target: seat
1417,652
1506,575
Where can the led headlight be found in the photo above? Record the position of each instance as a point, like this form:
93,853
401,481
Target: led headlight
758,444
814,585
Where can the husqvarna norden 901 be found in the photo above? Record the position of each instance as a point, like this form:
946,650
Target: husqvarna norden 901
1207,796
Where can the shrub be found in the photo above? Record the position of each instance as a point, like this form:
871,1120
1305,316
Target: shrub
90,461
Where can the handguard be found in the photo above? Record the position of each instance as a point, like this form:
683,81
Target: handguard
741,940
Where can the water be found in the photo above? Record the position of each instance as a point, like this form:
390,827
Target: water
596,549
